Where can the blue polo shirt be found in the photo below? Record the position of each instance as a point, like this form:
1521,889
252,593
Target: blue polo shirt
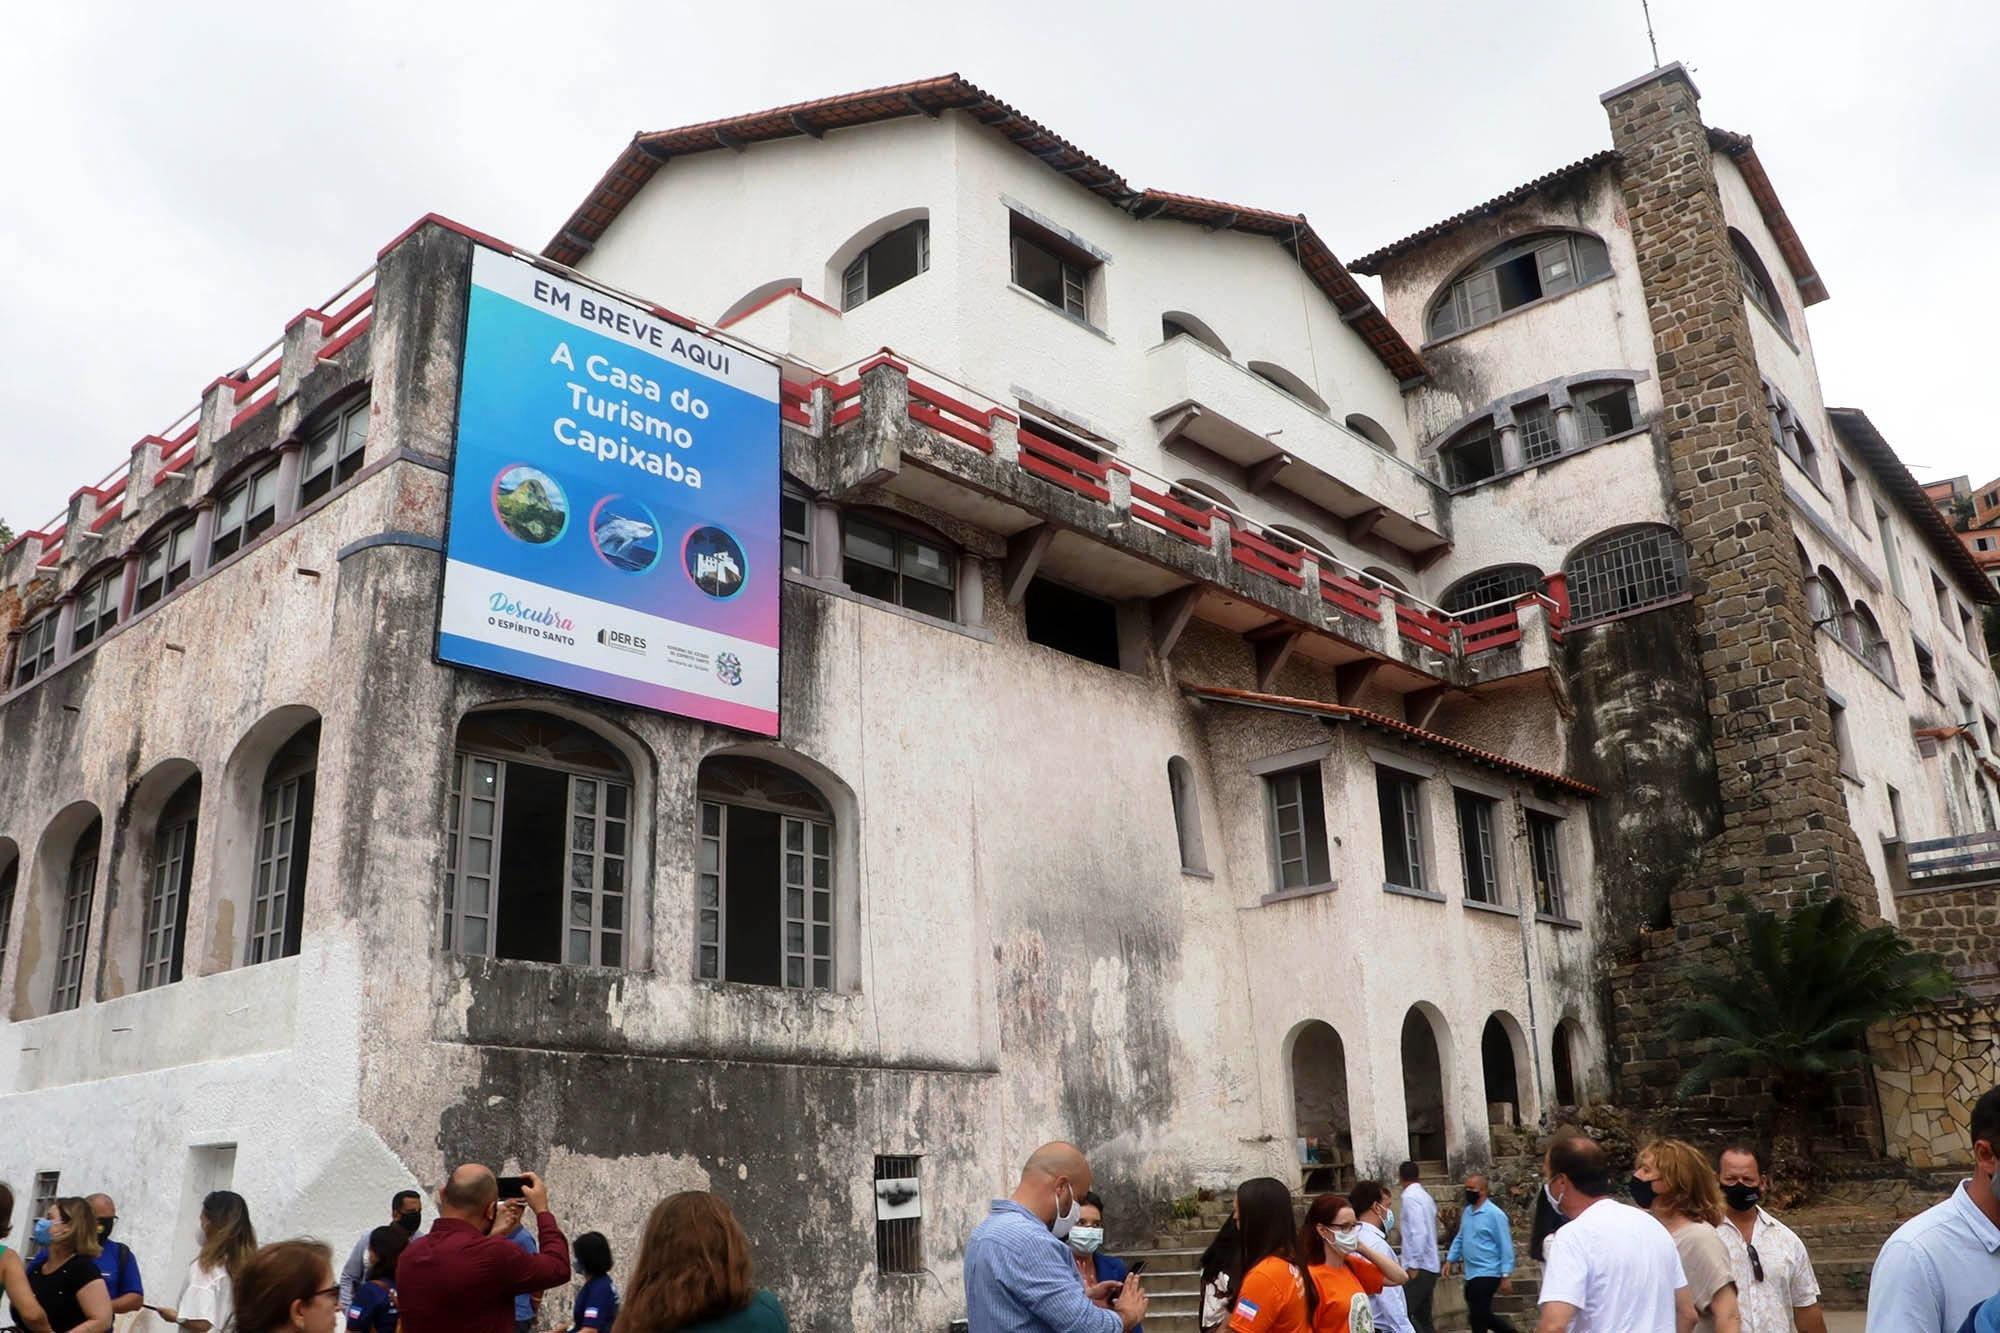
120,1269
596,1304
1484,1243
372,1309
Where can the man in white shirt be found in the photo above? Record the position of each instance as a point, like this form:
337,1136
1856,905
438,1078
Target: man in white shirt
1946,1259
1371,1209
1776,1290
1420,1246
1611,1269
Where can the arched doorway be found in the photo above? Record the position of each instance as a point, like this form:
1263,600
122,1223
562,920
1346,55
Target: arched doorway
1503,1084
1423,1088
1564,1058
1319,1102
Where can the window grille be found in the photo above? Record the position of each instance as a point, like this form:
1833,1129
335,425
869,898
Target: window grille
1298,828
35,652
96,609
1538,432
166,901
899,1219
795,517
1501,583
1626,571
166,563
78,888
285,816
1475,845
1401,808
1545,853
333,451
48,1187
598,815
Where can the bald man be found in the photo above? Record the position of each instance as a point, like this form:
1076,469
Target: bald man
1019,1276
464,1275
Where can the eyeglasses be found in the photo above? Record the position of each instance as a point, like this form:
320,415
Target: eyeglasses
1756,1264
333,1290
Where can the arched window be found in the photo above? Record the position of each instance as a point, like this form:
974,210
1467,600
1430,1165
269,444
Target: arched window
1371,430
1498,583
170,876
894,559
1180,324
1513,275
887,253
1836,615
1385,578
1874,643
764,901
79,887
1472,455
757,296
538,848
1201,495
1626,570
1187,814
1287,383
1756,279
284,841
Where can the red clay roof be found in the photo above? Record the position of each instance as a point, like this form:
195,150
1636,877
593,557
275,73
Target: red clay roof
1344,713
1374,261
931,97
1858,433
1811,289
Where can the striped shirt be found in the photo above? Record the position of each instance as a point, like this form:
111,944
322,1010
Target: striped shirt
1020,1279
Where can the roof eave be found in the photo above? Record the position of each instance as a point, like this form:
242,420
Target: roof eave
1860,434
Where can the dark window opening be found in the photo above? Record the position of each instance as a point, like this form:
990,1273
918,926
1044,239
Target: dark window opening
9,878
1564,1060
1605,411
1072,622
1545,853
1513,275
1298,828
1477,855
795,523
1400,806
333,452
764,878
897,566
1051,268
1472,458
890,262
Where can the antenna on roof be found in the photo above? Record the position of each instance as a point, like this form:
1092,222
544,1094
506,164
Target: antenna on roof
1647,9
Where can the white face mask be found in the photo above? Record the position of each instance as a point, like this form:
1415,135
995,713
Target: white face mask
1388,1220
1066,1218
1346,1239
1086,1240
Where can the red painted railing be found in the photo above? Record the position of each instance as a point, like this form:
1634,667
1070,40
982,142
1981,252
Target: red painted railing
962,421
1070,470
1255,552
1351,595
1161,510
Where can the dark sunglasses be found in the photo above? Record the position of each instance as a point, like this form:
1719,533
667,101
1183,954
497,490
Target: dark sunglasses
1756,1264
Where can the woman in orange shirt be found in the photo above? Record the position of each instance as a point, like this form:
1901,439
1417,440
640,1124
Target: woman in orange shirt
1342,1267
1273,1296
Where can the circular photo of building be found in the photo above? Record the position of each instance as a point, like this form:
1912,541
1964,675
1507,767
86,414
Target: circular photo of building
714,561
625,533
529,504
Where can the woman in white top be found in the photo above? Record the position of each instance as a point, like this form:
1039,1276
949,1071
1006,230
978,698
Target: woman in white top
208,1301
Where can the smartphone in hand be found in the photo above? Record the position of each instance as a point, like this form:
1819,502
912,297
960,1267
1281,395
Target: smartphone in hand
512,1187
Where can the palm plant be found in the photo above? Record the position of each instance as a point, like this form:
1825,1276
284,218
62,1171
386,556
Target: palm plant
1792,1005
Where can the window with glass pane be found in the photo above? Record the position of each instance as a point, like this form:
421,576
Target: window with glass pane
229,512
79,886
262,506
764,878
1298,828
165,564
35,651
1756,281
167,889
795,523
1545,854
1502,583
97,608
1062,281
284,840
1538,432
1398,801
333,451
1626,571
1513,275
1605,410
1475,846
898,566
890,262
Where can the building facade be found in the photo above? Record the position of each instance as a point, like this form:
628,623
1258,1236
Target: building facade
1193,744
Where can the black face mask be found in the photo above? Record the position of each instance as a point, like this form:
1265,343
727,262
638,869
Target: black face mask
1741,1198
1472,1198
410,1221
104,1225
1642,1191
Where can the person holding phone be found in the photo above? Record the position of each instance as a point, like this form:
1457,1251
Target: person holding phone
228,1240
465,1274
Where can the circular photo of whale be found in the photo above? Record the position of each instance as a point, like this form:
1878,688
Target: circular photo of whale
714,560
529,504
625,533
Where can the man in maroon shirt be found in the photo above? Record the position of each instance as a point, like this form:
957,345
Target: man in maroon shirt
461,1279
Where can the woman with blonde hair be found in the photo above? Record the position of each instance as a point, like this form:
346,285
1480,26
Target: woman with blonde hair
72,1293
228,1242
1674,1181
694,1273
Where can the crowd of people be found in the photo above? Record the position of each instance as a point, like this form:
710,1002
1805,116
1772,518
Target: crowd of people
479,1268
1697,1254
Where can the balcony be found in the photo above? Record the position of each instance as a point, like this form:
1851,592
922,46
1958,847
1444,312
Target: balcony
792,325
1208,400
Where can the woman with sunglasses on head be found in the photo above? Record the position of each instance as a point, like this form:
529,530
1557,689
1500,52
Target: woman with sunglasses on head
288,1287
1343,1266
1274,1294
1674,1181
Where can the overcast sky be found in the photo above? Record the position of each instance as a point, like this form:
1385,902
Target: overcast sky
179,179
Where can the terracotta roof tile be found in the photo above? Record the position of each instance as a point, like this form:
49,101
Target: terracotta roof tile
1374,261
1811,289
1858,433
1366,717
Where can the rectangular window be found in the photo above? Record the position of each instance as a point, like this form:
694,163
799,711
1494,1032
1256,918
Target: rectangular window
1896,814
1401,807
1926,665
165,564
764,879
48,1185
1071,622
1850,489
795,521
1051,268
1606,411
1545,853
1297,810
1538,432
1968,629
897,566
1471,460
245,509
889,262
599,812
96,609
1837,714
278,891
333,451
1889,558
899,1215
35,652
78,890
1475,846
1942,596
167,905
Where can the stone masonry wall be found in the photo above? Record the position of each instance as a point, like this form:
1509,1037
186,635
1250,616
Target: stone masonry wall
1929,1070
1959,923
1785,834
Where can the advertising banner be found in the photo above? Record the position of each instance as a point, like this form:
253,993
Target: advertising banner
614,503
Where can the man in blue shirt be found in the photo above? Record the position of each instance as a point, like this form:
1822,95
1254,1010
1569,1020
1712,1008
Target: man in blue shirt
1483,1249
508,1224
1946,1260
1019,1274
115,1261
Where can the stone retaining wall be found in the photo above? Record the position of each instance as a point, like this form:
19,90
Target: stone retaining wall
1929,1070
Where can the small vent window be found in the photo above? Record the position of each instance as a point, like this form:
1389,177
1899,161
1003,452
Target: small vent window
899,1214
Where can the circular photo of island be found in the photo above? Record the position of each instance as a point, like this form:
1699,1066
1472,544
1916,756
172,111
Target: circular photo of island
625,533
529,504
715,562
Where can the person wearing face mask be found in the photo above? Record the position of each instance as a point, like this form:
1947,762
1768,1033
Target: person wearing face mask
114,1259
1611,1269
1101,1272
1548,1218
1420,1245
1483,1249
406,1210
1344,1270
228,1241
1776,1290
1371,1207
1673,1180
1275,1295
1946,1260
464,1275
65,1280
372,1307
288,1287
27,1311
1020,1276
596,1306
